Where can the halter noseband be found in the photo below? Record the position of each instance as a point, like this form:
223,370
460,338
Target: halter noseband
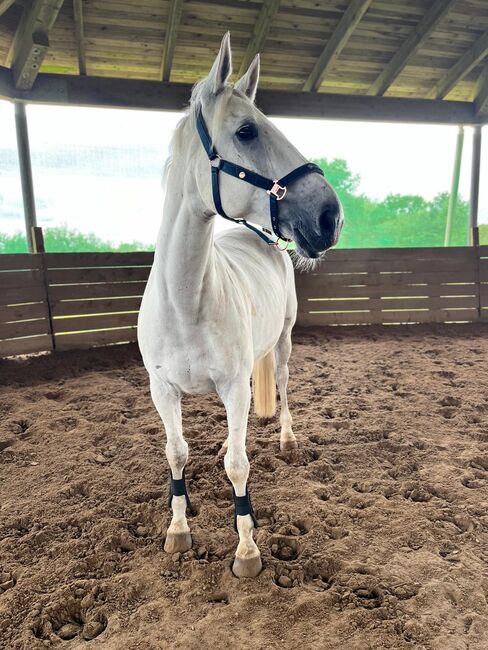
275,188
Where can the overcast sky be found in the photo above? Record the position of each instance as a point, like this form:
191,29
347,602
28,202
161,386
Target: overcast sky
390,158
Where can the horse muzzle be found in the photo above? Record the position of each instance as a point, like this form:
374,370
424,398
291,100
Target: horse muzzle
313,242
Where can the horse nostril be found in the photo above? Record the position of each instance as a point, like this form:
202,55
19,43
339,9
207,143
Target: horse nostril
329,218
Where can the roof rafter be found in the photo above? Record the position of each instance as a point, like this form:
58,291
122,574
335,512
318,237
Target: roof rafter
4,5
261,28
336,43
466,63
31,41
80,35
481,96
409,48
174,17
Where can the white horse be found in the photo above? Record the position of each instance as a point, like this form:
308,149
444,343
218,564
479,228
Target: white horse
215,308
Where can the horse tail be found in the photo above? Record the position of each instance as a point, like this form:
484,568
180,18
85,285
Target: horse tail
264,386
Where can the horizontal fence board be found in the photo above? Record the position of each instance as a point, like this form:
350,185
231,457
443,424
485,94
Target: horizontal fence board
107,274
24,328
23,312
383,266
386,279
378,291
92,339
86,260
366,318
14,279
100,306
373,254
104,321
378,304
108,290
17,261
27,345
21,295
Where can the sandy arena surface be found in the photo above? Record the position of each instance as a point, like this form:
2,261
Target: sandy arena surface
374,534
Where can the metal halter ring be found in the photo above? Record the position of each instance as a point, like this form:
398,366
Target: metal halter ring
276,189
285,242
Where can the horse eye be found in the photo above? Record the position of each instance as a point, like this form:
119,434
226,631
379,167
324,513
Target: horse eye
247,132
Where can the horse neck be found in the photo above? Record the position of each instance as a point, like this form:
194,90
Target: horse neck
184,255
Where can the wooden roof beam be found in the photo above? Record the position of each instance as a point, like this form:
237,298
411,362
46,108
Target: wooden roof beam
174,17
31,41
4,5
466,63
80,35
336,43
410,47
481,97
261,28
156,95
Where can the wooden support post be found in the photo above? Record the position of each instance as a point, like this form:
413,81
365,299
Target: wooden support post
37,239
25,172
451,210
473,234
38,247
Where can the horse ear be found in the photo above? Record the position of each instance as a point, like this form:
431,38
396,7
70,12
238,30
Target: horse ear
248,84
222,67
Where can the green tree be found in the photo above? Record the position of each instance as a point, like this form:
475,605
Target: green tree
398,220
61,239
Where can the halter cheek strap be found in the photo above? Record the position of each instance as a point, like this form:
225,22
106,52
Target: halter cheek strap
276,189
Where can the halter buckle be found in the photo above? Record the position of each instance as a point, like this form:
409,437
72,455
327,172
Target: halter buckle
276,189
215,159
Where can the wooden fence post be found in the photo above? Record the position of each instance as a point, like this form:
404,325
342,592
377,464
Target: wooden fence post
474,231
37,238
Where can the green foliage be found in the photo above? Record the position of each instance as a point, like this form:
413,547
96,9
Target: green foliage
398,220
63,240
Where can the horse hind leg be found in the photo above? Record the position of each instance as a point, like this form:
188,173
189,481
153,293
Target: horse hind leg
178,537
288,440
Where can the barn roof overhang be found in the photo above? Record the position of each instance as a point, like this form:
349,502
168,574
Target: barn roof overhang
387,60
162,95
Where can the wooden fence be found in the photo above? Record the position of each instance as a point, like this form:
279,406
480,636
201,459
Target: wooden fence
74,300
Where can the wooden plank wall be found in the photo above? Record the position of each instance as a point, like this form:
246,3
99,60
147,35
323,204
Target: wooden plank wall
78,300
24,314
404,285
95,297
483,280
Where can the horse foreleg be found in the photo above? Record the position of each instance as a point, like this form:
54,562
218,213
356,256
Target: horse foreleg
168,404
282,355
237,400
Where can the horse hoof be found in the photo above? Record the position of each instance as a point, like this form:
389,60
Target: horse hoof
178,543
247,567
288,445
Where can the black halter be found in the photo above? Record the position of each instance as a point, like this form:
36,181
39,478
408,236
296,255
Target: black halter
276,189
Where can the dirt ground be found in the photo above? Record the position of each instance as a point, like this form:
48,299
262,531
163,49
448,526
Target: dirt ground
374,534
